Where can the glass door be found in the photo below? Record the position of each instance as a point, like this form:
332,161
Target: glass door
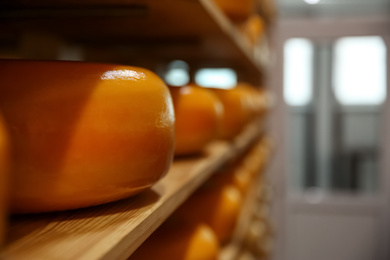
334,90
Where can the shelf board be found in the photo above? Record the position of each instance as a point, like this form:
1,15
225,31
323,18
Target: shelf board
232,250
115,230
192,30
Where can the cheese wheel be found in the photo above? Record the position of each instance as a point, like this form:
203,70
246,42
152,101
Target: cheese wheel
217,206
255,98
198,113
238,111
237,10
237,176
4,164
84,133
179,241
242,179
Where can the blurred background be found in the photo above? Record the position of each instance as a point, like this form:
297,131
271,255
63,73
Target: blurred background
334,60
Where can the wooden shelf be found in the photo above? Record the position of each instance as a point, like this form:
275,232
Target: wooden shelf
138,32
256,195
232,250
143,33
115,230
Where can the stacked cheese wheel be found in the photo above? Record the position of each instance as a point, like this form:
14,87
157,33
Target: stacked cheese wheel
258,239
218,202
83,134
207,219
243,171
179,240
216,205
197,229
204,115
198,114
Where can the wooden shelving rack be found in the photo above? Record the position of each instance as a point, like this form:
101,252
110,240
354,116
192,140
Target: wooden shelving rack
124,31
232,249
115,230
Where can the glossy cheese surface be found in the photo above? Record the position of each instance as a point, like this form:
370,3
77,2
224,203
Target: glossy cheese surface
198,113
238,111
217,205
179,241
84,133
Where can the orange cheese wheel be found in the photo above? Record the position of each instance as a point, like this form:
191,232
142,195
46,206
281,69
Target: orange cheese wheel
243,179
198,113
217,206
238,176
255,99
237,10
238,110
179,241
83,133
244,170
4,163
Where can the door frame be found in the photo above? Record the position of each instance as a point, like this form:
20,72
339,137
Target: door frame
291,200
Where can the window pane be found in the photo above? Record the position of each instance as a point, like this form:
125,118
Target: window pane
360,70
298,62
177,74
216,78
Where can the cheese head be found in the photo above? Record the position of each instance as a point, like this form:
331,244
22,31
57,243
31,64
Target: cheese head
83,133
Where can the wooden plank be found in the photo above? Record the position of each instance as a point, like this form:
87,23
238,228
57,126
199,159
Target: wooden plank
115,230
233,248
254,196
231,32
